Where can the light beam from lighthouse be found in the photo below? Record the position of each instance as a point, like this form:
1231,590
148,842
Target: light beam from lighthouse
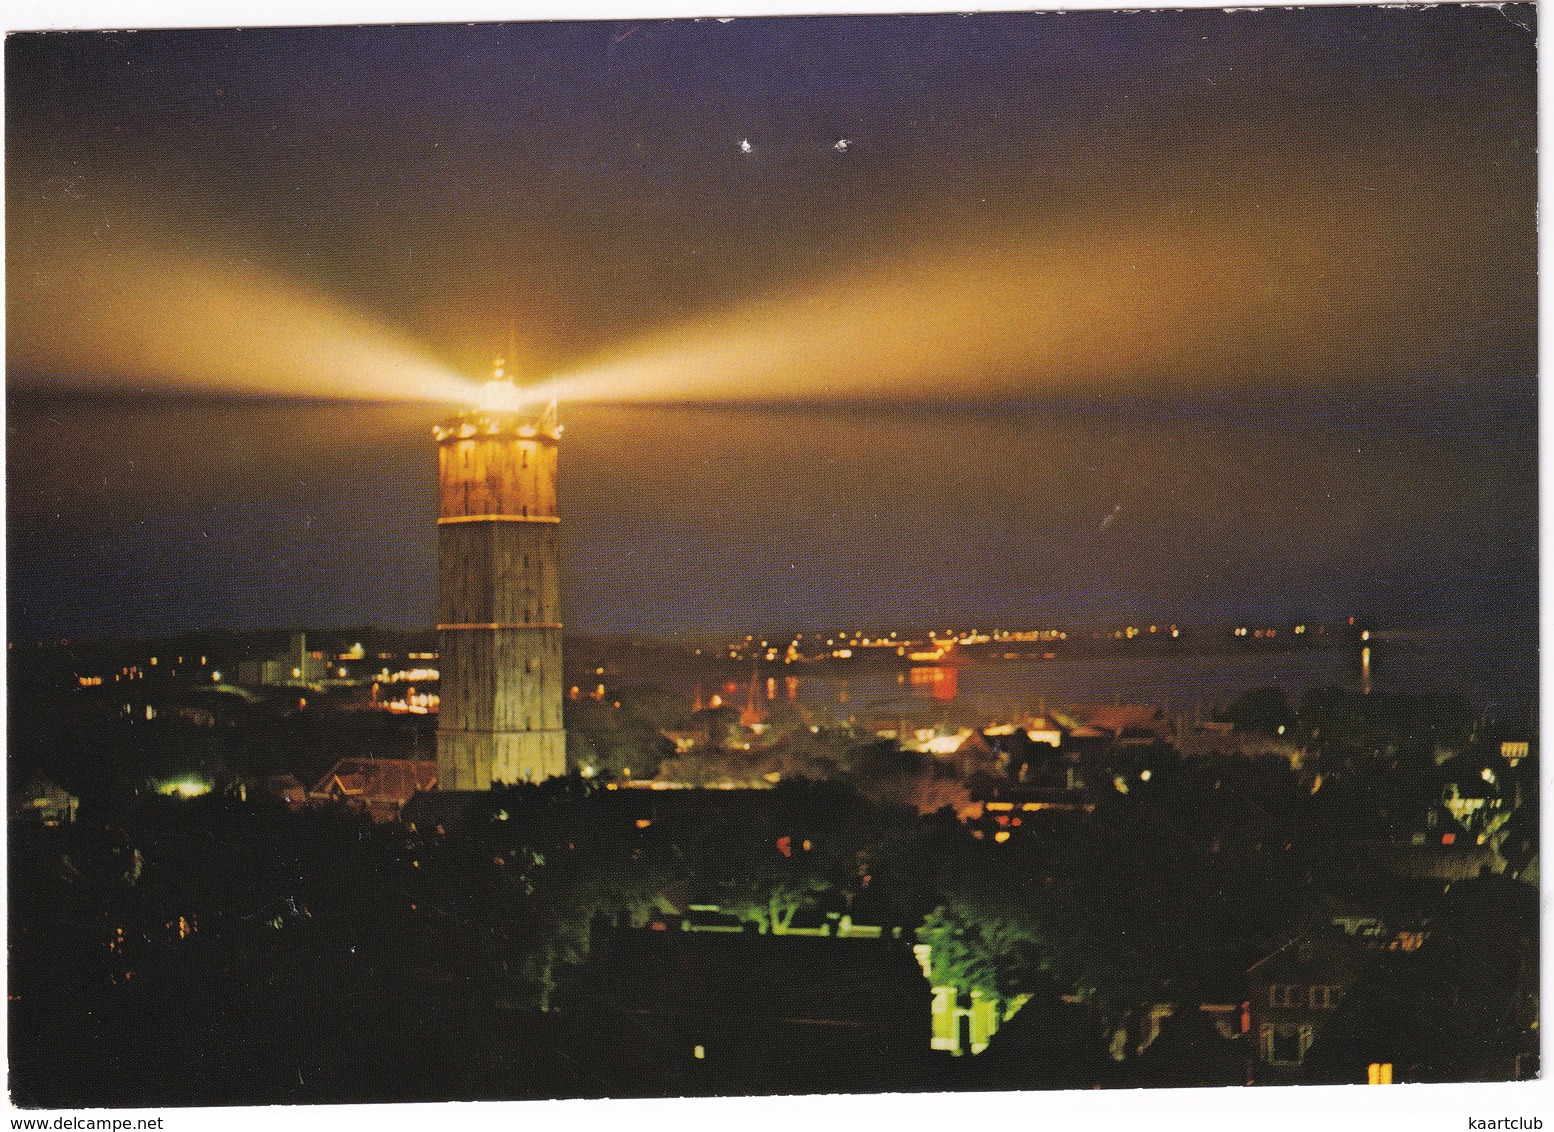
499,593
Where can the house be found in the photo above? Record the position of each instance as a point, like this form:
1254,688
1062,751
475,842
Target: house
1471,801
1293,994
1515,750
380,786
45,802
1127,722
1025,753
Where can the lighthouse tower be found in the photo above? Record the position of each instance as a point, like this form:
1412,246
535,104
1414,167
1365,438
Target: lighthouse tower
499,593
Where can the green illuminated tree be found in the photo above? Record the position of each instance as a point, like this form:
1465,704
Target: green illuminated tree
996,952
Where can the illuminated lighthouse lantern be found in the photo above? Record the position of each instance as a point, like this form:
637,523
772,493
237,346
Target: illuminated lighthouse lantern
499,593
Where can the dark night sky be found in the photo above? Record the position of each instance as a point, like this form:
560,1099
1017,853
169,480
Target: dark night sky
908,306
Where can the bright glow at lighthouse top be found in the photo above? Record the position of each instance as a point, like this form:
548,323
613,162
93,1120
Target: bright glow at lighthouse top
502,407
500,394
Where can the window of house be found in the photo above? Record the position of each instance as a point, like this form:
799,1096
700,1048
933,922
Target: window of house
1325,997
1283,994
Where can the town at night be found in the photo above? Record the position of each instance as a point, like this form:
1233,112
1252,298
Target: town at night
669,558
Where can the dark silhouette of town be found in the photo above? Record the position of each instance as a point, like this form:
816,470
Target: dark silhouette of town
237,887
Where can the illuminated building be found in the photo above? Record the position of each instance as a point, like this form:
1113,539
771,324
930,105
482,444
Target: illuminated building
499,594
295,666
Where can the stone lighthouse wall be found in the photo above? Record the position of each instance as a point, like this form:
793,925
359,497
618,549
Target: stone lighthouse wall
499,605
